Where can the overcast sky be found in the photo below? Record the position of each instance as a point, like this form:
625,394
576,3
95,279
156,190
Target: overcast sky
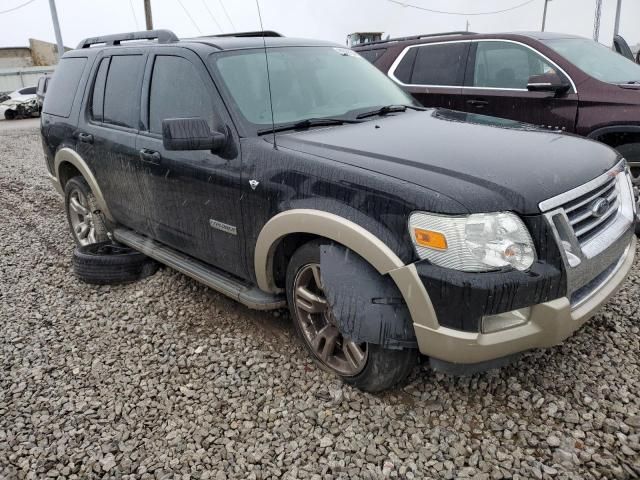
323,19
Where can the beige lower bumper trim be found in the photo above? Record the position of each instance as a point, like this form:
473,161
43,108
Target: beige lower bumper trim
56,184
550,323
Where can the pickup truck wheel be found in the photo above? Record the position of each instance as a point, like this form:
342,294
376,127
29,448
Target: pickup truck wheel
108,263
87,223
368,367
631,153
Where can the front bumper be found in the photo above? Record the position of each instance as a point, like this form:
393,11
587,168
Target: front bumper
549,324
593,268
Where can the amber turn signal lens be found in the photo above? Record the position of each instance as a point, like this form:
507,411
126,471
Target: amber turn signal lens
430,239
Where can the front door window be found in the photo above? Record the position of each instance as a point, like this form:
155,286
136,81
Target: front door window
507,65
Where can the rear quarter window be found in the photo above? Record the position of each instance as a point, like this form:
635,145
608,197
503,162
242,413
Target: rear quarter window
372,55
64,85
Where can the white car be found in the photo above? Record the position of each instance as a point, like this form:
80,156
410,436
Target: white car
22,102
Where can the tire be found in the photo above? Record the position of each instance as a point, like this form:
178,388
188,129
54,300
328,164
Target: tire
86,222
631,153
379,369
9,115
108,263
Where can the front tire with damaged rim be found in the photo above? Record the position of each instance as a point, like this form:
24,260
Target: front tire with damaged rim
366,366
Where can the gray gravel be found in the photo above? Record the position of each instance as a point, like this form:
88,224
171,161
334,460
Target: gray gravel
167,379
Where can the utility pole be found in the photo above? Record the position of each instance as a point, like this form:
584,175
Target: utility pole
616,28
468,25
56,28
544,14
596,22
147,14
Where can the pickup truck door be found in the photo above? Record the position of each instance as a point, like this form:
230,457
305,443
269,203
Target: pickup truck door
195,195
496,84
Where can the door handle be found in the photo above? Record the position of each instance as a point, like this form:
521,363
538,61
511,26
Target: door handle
150,156
477,103
85,138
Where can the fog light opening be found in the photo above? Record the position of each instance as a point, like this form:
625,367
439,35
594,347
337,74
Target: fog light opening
504,321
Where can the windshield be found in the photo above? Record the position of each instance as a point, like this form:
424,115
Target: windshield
306,82
596,60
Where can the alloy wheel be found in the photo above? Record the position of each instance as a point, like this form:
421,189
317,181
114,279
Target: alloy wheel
81,218
635,180
319,327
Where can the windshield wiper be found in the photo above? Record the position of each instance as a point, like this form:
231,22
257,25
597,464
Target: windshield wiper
308,123
388,109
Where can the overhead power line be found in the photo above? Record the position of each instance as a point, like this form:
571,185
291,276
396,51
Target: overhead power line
133,12
224,9
190,17
16,7
466,14
204,2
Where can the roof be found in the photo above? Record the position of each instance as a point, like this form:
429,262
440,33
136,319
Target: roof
542,35
237,43
433,37
233,41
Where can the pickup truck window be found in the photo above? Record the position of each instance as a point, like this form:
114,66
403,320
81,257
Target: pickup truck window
177,91
506,65
121,99
306,82
596,60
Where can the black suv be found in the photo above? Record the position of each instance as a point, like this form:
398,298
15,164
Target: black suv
387,228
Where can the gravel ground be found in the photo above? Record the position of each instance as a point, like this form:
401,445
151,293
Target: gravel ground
167,379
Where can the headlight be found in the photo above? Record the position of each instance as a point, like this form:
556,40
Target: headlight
473,243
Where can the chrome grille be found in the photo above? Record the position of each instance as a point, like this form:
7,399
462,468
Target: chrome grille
586,219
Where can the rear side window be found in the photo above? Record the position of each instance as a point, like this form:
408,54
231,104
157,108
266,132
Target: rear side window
28,91
372,55
177,91
121,95
97,97
64,85
440,64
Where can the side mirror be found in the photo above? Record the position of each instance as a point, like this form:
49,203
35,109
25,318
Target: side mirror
548,82
190,134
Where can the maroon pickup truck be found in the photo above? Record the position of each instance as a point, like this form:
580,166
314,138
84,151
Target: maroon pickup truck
557,81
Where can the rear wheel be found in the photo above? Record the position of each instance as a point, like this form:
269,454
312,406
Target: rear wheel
366,366
86,221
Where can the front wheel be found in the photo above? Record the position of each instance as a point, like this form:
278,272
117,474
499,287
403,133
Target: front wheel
366,366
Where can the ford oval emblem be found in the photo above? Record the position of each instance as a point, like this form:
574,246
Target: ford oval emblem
599,207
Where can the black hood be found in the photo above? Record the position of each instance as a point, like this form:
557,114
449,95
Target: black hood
485,163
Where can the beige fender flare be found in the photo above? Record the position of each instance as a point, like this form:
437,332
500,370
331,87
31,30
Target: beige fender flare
67,155
352,236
